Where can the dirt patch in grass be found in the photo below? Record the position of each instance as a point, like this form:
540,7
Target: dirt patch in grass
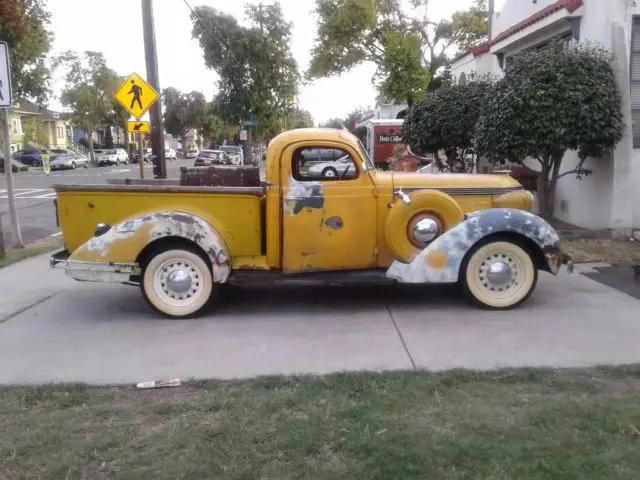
30,250
602,250
525,424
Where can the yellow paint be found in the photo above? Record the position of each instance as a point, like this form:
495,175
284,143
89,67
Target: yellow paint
125,96
138,127
235,217
522,200
253,262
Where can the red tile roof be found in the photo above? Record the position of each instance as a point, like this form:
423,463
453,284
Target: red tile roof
569,5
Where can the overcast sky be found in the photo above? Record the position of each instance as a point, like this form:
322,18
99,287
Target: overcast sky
115,28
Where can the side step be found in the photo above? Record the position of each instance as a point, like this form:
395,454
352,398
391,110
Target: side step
348,277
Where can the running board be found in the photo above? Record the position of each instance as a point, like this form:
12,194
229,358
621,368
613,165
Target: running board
339,278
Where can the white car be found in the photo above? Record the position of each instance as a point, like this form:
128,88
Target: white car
170,154
192,153
341,168
65,161
115,156
236,154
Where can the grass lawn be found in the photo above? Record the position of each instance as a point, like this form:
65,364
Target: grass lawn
31,250
602,250
518,424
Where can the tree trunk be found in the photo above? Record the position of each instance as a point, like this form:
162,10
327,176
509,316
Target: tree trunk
547,183
127,143
89,137
542,188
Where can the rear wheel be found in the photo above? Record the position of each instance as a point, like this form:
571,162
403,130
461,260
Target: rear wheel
177,282
499,274
329,172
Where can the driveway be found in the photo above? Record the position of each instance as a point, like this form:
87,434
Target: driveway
53,329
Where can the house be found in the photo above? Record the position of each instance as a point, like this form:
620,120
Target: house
609,198
56,126
384,110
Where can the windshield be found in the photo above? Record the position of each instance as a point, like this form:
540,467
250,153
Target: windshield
229,149
368,164
210,154
64,156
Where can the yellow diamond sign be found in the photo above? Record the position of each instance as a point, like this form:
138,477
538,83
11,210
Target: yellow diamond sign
135,95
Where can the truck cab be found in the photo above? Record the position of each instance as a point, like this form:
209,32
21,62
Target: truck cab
320,211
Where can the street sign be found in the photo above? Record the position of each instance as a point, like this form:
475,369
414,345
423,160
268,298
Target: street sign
250,123
6,96
135,95
243,135
138,127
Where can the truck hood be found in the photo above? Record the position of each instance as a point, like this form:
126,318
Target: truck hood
409,181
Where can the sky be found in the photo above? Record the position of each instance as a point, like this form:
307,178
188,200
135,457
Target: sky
115,28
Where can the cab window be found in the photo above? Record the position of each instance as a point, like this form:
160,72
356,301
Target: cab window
325,164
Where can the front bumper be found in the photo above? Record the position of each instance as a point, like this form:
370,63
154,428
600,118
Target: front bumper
107,272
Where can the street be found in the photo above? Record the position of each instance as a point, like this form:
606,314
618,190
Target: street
34,196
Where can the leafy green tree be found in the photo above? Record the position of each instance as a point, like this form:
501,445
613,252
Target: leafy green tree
299,119
409,49
24,26
259,78
90,84
338,123
34,133
444,122
177,119
549,101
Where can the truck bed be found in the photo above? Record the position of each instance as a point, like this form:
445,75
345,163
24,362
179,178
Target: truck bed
236,212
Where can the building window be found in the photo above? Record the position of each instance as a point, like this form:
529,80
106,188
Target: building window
566,37
15,127
635,80
463,79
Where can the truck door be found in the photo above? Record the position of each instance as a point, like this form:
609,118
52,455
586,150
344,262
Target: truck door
329,210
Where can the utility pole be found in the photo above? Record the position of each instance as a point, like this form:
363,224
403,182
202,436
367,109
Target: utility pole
8,175
155,112
490,19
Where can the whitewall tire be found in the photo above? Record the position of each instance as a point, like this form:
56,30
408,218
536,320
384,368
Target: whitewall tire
499,274
177,283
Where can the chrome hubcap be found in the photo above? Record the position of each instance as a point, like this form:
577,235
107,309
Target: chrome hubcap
425,231
329,173
178,282
500,273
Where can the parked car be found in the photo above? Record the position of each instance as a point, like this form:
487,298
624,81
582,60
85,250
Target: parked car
31,157
192,153
527,177
341,168
135,155
59,151
67,161
115,156
16,166
236,154
212,157
179,152
170,154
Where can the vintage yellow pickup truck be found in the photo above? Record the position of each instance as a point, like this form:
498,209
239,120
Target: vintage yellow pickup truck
322,213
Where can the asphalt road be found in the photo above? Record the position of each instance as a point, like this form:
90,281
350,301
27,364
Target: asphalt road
34,195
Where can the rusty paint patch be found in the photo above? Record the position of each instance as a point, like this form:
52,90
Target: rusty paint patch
303,195
334,223
179,217
436,259
460,239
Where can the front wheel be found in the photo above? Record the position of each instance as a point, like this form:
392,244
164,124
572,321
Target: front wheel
330,172
73,165
177,283
499,274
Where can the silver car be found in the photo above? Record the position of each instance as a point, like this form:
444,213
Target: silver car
66,161
342,168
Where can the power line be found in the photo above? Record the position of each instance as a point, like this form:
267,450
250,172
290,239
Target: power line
209,28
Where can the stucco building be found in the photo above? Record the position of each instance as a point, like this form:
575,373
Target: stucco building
609,198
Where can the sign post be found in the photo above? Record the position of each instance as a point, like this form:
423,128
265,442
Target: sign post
141,155
136,96
6,100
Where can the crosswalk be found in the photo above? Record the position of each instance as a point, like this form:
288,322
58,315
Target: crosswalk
30,193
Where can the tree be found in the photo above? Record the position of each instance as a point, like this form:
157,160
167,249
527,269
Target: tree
34,133
338,123
23,25
177,120
108,138
90,84
409,50
563,97
259,77
444,122
300,119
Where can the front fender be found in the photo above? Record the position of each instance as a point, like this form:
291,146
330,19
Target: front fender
440,262
124,242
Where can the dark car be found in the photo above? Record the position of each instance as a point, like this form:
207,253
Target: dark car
212,157
135,155
31,157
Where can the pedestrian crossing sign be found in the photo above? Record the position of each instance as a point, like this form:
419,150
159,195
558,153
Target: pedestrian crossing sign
135,95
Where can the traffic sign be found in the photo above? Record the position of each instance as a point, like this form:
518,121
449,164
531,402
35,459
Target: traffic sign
6,96
138,127
252,123
243,135
135,95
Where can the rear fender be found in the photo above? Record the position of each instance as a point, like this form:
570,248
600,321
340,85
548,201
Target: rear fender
440,262
124,242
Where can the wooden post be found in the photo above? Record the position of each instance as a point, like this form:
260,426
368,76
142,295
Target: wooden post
141,159
3,252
